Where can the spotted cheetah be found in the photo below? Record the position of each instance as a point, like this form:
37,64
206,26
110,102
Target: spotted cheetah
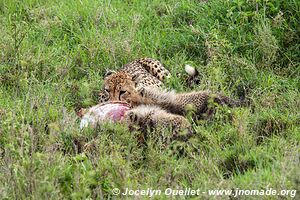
201,102
127,84
146,118
180,103
138,74
140,83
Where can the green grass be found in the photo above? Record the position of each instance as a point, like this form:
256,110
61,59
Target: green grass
52,61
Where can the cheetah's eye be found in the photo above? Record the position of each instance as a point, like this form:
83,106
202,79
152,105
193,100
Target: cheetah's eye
142,92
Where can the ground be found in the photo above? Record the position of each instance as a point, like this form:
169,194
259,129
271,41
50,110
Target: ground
54,55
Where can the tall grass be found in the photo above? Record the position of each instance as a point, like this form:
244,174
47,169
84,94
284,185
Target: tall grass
52,61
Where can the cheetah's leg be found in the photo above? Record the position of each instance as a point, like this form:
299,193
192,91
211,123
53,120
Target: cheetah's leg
179,103
152,118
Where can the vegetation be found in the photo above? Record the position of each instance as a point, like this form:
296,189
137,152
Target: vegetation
53,58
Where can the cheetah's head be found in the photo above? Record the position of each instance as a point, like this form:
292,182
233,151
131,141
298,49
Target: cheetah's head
120,86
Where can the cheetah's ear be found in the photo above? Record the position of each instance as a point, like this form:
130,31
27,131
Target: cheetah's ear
109,72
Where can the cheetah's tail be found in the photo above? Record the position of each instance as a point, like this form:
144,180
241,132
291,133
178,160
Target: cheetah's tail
191,71
193,76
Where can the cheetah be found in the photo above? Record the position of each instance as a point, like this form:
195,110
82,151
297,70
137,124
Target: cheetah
138,74
201,102
140,84
126,85
147,118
